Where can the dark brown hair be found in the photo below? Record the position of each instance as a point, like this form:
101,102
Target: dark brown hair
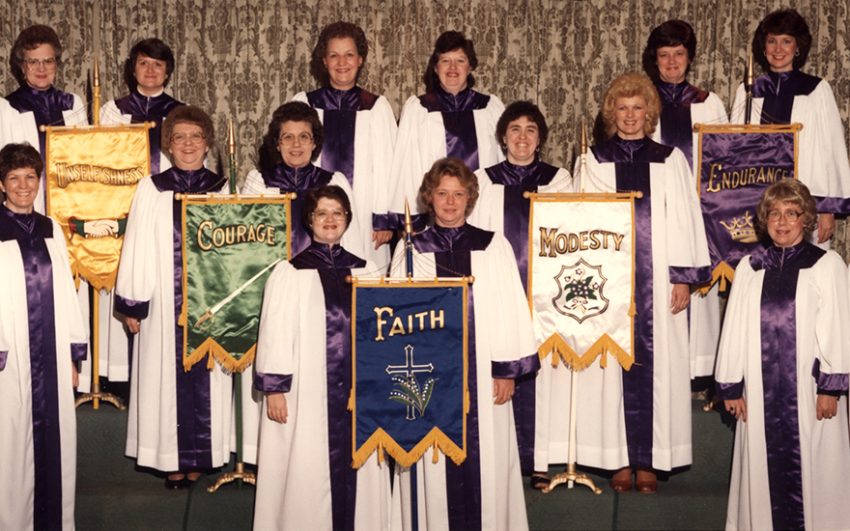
515,111
16,156
187,114
336,30
30,39
670,33
153,48
293,111
783,22
331,191
448,42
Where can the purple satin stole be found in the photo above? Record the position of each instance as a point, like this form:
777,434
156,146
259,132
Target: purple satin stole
779,376
676,126
333,264
149,109
458,120
778,90
45,105
517,180
339,117
30,231
631,160
300,181
194,439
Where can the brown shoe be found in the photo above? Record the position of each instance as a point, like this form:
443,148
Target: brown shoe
647,482
622,480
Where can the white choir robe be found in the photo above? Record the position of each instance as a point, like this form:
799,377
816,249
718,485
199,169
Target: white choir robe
822,314
9,131
422,140
502,334
375,133
704,310
146,273
551,387
678,240
16,459
293,476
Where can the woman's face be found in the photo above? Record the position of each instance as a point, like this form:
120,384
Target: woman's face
630,117
295,143
780,51
150,74
453,69
672,63
188,146
328,221
449,200
20,186
522,138
40,66
785,223
342,62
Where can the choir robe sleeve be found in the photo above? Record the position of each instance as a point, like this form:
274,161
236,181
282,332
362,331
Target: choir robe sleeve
276,358
111,115
383,131
352,239
741,331
827,136
831,317
137,270
66,300
739,107
502,318
411,153
254,185
78,114
687,247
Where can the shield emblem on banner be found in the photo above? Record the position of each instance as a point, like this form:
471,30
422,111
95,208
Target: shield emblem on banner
580,293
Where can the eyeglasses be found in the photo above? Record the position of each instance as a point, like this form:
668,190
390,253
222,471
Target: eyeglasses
322,215
288,139
181,138
790,216
457,195
48,62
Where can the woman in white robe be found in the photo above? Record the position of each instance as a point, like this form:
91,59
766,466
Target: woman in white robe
303,367
360,130
782,371
35,59
785,95
42,336
641,419
667,57
449,120
485,491
179,421
502,208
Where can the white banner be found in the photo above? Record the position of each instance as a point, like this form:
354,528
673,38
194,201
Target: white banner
581,277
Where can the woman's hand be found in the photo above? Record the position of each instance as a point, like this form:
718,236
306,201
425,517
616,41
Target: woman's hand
503,390
737,408
380,237
276,407
826,226
133,325
75,375
826,407
679,298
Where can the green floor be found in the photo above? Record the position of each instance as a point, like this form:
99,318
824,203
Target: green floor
112,494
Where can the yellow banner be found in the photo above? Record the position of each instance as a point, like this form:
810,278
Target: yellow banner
91,176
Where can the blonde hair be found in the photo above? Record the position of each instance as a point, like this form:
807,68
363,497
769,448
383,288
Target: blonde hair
626,86
788,191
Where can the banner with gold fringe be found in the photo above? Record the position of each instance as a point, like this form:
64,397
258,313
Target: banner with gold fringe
734,165
581,277
409,370
231,244
90,178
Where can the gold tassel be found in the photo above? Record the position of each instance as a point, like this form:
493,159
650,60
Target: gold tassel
350,406
435,453
381,456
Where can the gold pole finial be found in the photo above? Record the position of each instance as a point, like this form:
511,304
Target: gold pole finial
231,137
750,70
408,225
583,136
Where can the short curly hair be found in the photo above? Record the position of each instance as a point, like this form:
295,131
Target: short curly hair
670,33
449,41
515,111
783,22
293,111
331,191
336,30
16,156
153,48
452,167
627,86
187,114
30,39
787,191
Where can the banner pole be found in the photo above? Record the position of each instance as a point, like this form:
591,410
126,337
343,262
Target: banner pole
95,396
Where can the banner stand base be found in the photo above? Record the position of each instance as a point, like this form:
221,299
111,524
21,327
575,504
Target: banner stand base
238,474
96,397
571,477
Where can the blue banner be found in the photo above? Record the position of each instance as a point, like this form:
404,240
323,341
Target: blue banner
410,370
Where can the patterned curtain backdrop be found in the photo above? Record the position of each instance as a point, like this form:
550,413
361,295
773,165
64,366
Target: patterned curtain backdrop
243,58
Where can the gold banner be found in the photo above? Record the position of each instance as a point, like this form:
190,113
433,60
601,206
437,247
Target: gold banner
91,176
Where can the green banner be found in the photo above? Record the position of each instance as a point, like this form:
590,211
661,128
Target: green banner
230,246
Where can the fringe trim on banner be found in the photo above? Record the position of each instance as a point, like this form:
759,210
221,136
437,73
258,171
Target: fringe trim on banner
381,442
724,274
98,281
215,352
603,346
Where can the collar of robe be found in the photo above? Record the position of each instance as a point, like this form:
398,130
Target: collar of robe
15,226
679,93
465,100
630,147
331,99
146,107
288,178
46,105
326,256
200,181
515,175
775,257
449,239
